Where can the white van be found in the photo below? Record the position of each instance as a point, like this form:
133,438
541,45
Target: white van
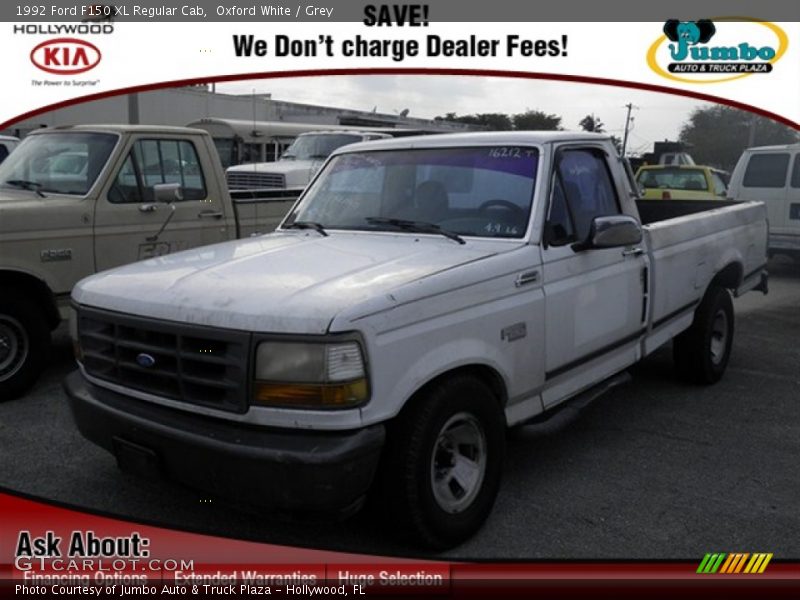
772,174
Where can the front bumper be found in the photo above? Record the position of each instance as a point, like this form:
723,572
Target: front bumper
284,469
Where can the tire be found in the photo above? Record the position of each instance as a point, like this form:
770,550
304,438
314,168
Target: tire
701,353
24,344
429,501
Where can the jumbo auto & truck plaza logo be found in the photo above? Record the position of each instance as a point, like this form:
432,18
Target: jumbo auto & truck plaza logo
706,51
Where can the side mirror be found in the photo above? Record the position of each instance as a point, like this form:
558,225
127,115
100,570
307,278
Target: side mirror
611,232
168,192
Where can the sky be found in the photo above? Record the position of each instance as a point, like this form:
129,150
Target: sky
657,116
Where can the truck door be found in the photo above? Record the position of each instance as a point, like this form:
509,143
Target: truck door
594,298
130,224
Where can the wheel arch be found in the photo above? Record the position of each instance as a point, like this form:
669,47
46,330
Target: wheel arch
483,372
38,291
729,277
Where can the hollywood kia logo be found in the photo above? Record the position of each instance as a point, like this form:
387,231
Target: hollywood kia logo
725,49
66,56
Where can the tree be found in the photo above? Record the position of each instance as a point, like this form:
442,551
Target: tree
491,121
592,123
527,121
536,120
717,135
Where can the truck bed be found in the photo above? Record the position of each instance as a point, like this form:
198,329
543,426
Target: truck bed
691,242
651,211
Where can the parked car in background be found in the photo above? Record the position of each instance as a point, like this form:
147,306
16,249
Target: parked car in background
77,200
772,174
7,145
298,164
684,182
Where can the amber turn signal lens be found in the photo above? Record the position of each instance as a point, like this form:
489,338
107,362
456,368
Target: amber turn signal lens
311,395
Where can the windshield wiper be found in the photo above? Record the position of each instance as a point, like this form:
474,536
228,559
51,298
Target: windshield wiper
33,186
416,227
308,225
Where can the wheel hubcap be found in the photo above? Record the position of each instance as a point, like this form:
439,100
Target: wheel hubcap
458,464
719,337
13,346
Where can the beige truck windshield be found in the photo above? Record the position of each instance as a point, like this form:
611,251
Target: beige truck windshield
59,163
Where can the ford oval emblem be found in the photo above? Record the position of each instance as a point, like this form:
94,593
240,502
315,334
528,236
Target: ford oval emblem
145,360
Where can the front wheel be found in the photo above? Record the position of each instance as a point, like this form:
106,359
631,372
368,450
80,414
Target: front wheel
444,462
701,353
24,345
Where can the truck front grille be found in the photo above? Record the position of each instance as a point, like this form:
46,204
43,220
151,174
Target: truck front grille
250,180
187,363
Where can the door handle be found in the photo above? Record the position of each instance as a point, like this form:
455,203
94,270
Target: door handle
210,214
632,252
148,208
525,278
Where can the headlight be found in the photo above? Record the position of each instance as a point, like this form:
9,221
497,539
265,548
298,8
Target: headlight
310,375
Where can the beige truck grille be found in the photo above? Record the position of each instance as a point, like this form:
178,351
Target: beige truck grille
244,180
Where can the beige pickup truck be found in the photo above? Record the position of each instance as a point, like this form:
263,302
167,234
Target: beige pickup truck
77,200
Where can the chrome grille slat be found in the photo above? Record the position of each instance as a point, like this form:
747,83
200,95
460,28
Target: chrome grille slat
192,364
243,180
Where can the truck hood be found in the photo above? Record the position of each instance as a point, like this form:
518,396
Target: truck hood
281,167
285,282
18,207
296,173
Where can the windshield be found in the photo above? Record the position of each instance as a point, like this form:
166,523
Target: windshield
485,191
59,163
307,147
674,178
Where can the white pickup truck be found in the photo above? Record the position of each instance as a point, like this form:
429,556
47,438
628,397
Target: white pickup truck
77,200
422,296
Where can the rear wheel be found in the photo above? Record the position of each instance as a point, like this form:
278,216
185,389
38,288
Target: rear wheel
444,460
701,353
24,345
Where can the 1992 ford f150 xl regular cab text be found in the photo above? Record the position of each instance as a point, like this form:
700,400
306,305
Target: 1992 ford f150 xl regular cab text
422,296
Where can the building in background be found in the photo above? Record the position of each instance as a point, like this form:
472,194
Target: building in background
179,106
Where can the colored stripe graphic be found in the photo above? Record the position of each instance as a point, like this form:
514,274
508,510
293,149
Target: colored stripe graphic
734,563
711,563
758,563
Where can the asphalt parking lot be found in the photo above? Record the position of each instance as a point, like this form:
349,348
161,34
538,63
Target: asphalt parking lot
654,469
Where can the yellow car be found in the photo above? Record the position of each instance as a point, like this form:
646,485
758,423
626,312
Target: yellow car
684,182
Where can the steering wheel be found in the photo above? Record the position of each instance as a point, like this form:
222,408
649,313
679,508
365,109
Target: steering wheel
519,214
